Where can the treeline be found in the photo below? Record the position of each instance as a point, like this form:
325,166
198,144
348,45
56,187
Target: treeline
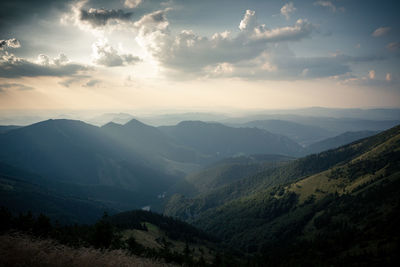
351,230
173,228
105,234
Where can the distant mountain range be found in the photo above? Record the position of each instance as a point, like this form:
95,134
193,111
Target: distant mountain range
220,141
337,141
117,167
302,133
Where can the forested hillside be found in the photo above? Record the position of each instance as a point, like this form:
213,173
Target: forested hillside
334,207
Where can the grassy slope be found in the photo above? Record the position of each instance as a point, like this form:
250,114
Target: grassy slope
156,238
276,213
22,250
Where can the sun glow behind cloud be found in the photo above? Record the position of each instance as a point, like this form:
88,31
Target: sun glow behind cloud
136,55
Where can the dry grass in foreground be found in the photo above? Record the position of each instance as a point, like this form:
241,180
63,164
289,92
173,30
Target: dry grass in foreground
21,250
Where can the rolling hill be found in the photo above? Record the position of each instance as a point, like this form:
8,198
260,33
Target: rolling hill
336,207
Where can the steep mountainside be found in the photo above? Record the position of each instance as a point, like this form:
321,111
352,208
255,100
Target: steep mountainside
232,169
221,141
342,206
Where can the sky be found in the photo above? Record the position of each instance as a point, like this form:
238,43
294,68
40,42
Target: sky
198,55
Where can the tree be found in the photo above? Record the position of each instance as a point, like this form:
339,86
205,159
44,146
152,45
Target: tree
103,233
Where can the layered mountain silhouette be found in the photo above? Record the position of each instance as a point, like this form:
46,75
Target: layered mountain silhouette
118,167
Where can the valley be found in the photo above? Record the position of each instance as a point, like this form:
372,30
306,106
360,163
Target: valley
257,194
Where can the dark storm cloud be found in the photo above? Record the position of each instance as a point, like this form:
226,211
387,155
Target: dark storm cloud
20,11
100,17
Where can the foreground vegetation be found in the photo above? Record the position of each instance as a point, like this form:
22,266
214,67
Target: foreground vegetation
136,238
24,250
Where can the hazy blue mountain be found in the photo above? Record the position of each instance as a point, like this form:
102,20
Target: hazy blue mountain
6,128
175,118
303,134
333,125
120,118
337,141
151,141
219,141
79,153
246,116
356,113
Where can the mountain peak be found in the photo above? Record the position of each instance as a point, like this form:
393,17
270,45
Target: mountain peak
111,124
135,123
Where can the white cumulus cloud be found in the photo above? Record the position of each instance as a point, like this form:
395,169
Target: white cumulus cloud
132,3
288,9
104,54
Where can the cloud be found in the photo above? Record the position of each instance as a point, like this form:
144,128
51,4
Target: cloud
104,54
155,21
329,5
300,30
388,77
10,43
132,3
371,74
73,79
381,31
92,18
101,17
394,46
248,21
190,53
288,9
255,52
15,86
12,66
92,83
